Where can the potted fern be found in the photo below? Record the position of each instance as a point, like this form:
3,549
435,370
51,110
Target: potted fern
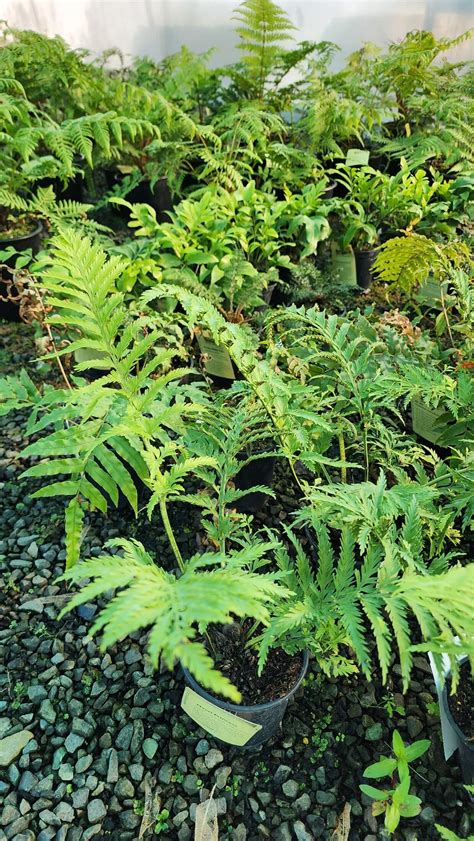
264,598
308,603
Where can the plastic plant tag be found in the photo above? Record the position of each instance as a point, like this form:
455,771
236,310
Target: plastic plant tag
357,157
424,420
220,723
451,742
217,360
343,263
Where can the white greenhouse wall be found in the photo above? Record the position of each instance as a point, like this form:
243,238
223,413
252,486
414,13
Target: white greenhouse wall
159,27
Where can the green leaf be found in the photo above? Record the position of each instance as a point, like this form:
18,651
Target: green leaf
410,810
375,793
116,469
417,749
93,495
103,479
66,488
73,524
384,768
392,817
398,745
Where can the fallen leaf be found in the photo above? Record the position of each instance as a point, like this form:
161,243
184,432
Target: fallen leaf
151,807
343,825
207,828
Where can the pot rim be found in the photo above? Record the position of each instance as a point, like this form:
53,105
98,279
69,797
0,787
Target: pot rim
33,233
366,251
240,708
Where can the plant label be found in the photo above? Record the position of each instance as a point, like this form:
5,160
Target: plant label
451,740
344,265
357,157
216,358
222,724
424,420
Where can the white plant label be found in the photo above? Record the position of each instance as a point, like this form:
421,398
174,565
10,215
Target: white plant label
451,741
221,723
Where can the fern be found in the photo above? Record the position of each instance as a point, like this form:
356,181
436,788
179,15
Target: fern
262,27
232,432
239,145
117,429
452,144
17,392
333,611
212,589
297,413
402,519
408,261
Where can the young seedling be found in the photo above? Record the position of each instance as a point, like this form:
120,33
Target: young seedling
395,802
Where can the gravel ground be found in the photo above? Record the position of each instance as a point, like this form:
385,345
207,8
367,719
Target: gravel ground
100,743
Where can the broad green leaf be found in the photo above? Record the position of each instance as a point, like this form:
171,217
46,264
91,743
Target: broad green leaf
375,793
417,749
385,767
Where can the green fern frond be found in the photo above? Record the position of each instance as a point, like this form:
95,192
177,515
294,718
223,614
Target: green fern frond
373,599
262,28
18,392
408,261
175,608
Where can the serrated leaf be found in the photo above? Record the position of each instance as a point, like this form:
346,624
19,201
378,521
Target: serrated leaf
73,527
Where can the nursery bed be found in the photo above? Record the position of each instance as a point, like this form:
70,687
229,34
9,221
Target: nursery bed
108,735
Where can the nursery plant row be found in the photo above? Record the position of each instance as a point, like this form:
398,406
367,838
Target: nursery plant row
251,293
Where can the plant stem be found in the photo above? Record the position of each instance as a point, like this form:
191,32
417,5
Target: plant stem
366,451
342,453
248,636
50,335
170,535
446,316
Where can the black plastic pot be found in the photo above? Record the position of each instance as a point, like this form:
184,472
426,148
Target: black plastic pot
466,747
268,715
257,472
159,198
75,189
364,262
31,240
10,311
329,191
387,234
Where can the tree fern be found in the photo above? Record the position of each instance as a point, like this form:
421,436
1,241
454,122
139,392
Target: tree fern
262,27
212,589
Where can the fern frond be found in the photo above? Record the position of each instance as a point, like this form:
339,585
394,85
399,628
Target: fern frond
175,608
408,261
324,619
262,28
